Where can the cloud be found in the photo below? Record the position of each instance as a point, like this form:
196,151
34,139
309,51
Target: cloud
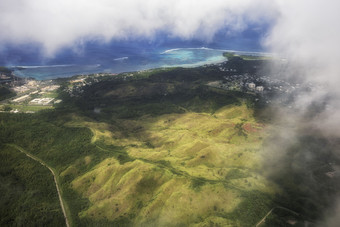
63,23
307,33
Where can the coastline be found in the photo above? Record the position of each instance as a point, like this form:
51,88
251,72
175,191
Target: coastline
177,57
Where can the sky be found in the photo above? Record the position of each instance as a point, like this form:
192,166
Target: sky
53,25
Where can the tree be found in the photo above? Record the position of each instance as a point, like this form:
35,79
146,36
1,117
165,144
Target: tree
7,108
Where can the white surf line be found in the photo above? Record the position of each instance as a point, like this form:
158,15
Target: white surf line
186,48
54,175
41,66
121,59
255,53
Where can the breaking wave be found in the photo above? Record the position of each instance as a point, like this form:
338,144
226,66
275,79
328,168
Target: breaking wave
121,59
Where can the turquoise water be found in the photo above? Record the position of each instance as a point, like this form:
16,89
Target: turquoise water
183,57
104,63
191,57
115,56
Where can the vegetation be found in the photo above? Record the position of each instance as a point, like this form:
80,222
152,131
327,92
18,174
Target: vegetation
5,93
28,193
5,70
164,149
247,57
25,108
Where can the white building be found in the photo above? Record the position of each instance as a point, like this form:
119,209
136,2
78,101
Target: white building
21,99
41,101
251,85
259,88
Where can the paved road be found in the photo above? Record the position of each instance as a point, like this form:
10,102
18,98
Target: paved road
62,202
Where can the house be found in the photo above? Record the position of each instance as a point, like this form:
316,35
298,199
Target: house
251,85
21,99
259,88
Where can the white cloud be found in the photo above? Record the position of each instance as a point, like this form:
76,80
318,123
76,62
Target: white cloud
56,24
308,33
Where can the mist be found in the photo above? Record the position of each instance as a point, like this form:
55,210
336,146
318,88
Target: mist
306,34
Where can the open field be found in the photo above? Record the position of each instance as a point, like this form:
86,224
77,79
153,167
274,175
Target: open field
25,108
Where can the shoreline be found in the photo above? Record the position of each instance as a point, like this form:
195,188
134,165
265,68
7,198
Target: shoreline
62,71
193,65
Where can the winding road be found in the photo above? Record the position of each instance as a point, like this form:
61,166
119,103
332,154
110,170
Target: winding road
62,202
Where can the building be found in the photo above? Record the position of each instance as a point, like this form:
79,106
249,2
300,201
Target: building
259,88
41,101
21,99
251,85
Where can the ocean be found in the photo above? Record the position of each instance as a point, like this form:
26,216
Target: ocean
123,56
184,57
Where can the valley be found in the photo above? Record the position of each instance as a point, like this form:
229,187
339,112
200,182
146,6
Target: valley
164,148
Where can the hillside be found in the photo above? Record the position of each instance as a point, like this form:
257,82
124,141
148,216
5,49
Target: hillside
162,148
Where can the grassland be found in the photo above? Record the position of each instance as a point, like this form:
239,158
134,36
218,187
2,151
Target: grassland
164,150
25,108
179,154
185,168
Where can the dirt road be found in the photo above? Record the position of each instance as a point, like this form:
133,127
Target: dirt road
62,202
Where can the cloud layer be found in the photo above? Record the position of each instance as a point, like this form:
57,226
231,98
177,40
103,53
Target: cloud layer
307,33
63,23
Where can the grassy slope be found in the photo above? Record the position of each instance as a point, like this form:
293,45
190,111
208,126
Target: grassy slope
190,157
163,151
166,150
44,136
196,168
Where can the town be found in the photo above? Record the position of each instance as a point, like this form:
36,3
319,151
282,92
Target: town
268,88
33,95
27,94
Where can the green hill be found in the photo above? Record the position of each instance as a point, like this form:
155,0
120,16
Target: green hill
156,149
